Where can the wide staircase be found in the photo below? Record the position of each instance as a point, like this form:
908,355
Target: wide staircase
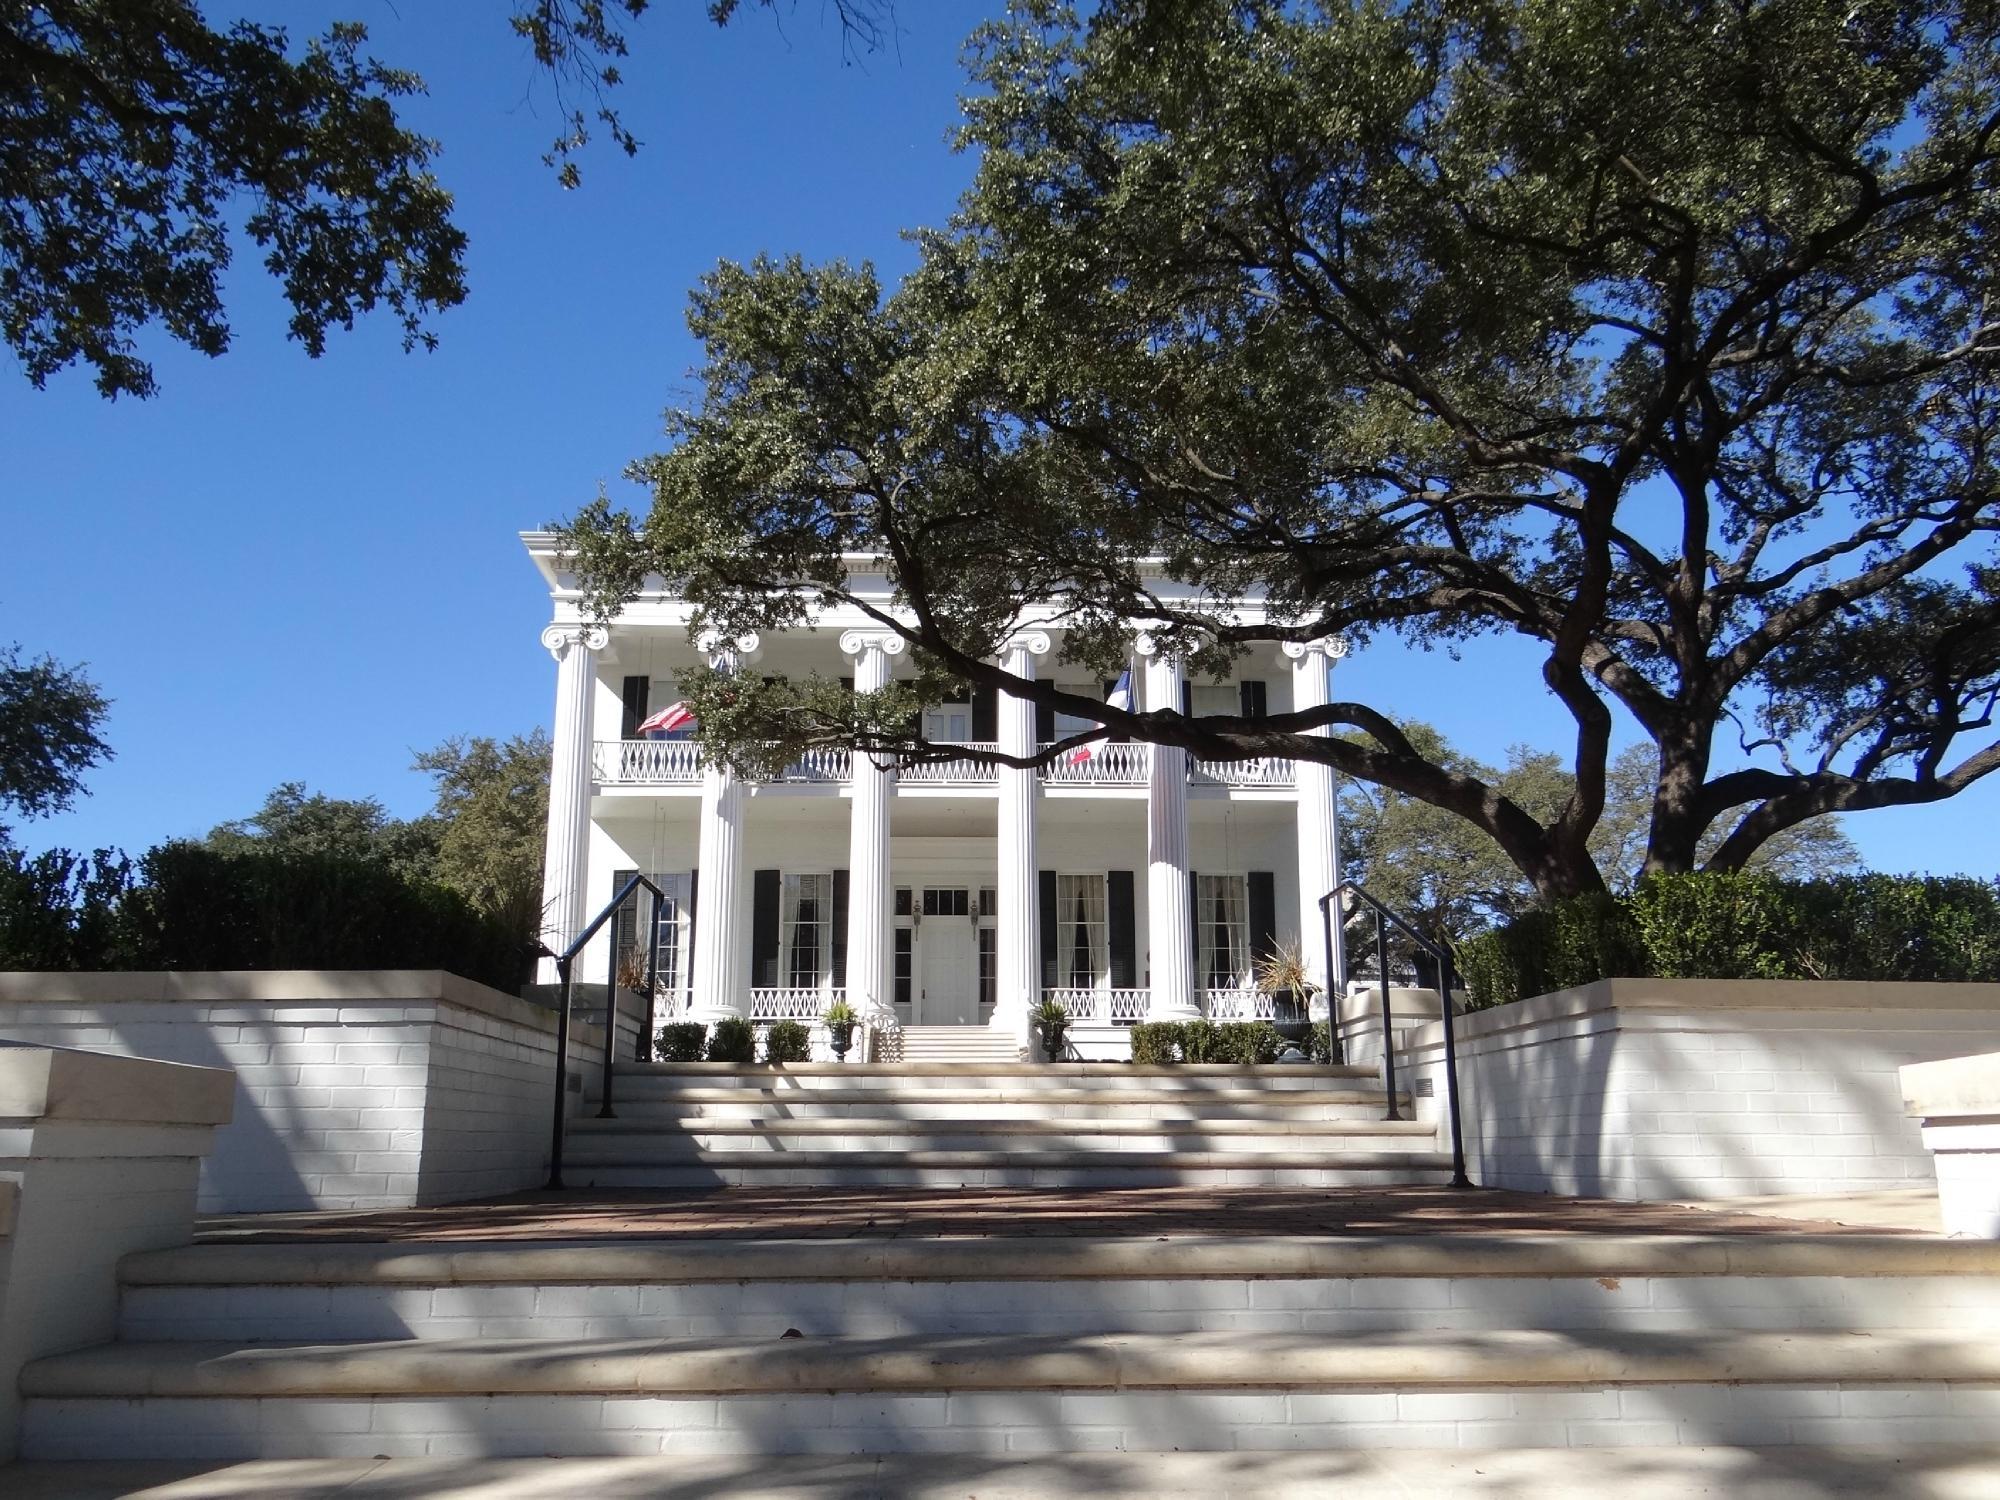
1003,1347
1000,1124
956,1044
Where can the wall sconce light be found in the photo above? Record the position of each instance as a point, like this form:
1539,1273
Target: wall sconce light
974,908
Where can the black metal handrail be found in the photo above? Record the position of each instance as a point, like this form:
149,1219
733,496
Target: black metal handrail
1384,917
564,961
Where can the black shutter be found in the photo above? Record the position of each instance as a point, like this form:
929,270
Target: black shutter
1119,908
636,689
1049,937
847,683
628,914
1045,724
1251,691
764,927
1194,931
1263,914
840,929
985,714
1187,698
694,910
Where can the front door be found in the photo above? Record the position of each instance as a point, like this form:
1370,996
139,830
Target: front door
948,944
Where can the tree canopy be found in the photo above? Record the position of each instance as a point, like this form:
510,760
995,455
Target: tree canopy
136,140
1656,333
51,717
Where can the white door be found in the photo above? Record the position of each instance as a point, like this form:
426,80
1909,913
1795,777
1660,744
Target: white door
949,972
948,724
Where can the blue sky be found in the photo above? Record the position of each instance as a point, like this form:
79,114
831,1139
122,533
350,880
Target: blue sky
289,569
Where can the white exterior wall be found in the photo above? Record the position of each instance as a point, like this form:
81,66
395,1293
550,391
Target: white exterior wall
1689,1089
354,1088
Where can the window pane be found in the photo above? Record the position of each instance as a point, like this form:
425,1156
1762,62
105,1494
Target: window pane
1081,932
807,926
1222,931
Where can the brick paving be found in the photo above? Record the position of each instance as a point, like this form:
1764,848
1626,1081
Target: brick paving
981,1213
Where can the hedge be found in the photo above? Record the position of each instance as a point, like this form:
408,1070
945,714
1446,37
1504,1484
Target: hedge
787,1042
1745,926
187,906
681,1041
1160,1043
733,1040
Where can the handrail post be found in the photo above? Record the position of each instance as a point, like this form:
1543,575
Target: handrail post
562,1077
1458,1177
604,1109
1336,1053
1388,1047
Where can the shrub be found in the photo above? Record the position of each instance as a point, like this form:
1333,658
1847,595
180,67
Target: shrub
1553,948
1154,1043
1260,1042
1901,927
732,1040
59,910
787,1042
1717,926
1202,1042
681,1041
1320,1046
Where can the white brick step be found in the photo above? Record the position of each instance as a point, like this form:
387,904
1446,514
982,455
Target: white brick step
1181,1132
1110,1076
986,1394
1051,1104
985,1169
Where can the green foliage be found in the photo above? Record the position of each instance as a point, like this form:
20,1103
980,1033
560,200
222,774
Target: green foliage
50,716
1319,1046
787,1042
840,1013
492,819
311,824
1156,1043
61,911
732,1040
1746,926
204,908
681,1041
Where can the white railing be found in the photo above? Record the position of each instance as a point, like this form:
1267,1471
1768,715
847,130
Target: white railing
819,766
966,772
1108,764
786,1003
648,760
1266,770
1245,1003
1101,1007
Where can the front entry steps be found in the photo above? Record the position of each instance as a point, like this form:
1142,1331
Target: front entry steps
1003,1347
1001,1124
958,1044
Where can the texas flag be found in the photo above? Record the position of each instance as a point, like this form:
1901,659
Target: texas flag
674,716
1120,697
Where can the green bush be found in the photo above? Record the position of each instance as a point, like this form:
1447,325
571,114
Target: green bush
1746,926
1156,1043
1202,1042
732,1040
1260,1042
1320,1046
681,1041
787,1042
59,910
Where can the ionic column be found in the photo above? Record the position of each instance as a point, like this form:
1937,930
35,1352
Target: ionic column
1168,935
719,978
868,978
565,857
1018,928
1318,815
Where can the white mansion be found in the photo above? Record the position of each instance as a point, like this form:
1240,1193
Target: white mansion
1130,883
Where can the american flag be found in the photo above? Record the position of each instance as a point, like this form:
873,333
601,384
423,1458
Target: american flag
1120,697
674,716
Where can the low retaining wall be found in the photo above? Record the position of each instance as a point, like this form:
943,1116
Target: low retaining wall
363,1088
1957,1102
1687,1088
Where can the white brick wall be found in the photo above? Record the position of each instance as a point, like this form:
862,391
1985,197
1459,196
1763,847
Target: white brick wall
1652,1089
355,1088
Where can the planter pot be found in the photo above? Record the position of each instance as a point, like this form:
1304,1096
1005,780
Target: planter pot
1054,1040
842,1038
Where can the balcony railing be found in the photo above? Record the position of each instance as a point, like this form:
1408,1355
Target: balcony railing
1100,1007
1266,770
966,772
783,1003
648,761
1109,763
820,766
1244,1003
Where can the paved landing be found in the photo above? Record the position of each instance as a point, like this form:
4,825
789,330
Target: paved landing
1940,1473
895,1213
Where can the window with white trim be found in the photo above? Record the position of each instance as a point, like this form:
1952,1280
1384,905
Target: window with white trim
1222,931
1214,698
805,916
671,919
1083,959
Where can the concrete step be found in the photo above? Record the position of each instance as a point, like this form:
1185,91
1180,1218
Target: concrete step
1935,1471
641,1139
1337,1286
588,1166
1210,1391
643,1099
1108,1076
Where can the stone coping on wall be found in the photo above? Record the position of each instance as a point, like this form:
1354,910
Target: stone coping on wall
65,1083
1718,998
1953,1087
270,988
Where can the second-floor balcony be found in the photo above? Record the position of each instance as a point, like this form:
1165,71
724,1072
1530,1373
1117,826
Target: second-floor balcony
1108,764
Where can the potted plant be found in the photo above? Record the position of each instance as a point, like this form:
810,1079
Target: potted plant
1282,974
1051,1022
839,1019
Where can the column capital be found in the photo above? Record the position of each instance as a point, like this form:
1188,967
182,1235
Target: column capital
858,642
725,652
1332,647
557,639
1034,642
